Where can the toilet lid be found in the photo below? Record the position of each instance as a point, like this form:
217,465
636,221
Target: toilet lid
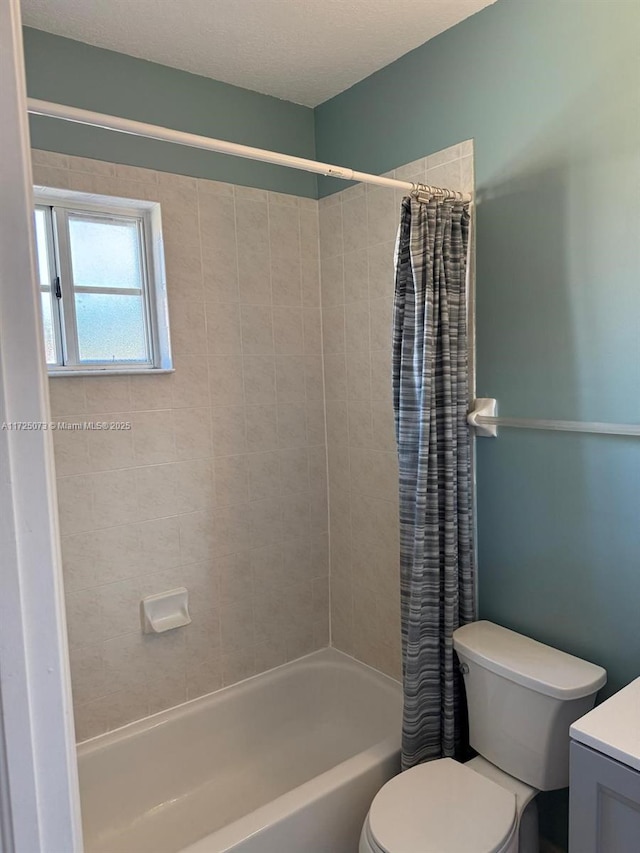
442,807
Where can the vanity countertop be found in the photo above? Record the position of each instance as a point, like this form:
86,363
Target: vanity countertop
613,728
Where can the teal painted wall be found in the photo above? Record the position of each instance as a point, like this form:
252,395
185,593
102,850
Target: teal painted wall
69,72
550,92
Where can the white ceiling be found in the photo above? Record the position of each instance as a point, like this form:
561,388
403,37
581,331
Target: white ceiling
304,51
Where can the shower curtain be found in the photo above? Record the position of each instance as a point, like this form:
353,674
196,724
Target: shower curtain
430,393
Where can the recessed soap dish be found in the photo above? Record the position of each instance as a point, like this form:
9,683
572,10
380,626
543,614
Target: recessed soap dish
165,611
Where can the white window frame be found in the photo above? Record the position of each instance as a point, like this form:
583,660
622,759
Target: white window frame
62,204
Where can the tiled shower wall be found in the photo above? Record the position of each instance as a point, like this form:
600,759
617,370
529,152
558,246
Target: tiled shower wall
220,486
357,234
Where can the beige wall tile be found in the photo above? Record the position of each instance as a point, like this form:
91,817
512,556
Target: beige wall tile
192,428
84,617
294,469
381,323
156,486
333,329
226,384
257,330
335,376
265,523
220,273
194,485
88,675
330,219
286,280
190,382
284,231
354,223
153,437
381,270
120,608
310,281
264,475
313,377
51,158
288,330
259,379
185,271
355,275
71,450
316,430
228,430
290,379
217,218
253,275
358,364
159,545
382,216
312,331
75,504
237,665
111,448
203,678
292,425
151,392
357,327
196,537
261,428
188,328
67,395
232,480
332,281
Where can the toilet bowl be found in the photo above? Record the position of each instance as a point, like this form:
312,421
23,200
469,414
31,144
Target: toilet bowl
522,696
447,807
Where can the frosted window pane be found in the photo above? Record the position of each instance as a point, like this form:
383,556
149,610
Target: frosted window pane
110,327
47,322
44,272
104,253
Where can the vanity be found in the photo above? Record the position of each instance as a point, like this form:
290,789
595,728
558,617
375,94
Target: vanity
604,797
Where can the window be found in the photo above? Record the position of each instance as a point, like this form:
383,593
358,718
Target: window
101,280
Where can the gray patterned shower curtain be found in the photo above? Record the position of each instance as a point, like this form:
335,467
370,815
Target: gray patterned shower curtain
431,397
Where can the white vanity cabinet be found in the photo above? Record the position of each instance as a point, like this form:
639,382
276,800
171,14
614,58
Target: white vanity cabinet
604,797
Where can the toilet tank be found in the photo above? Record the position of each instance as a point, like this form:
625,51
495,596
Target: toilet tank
522,696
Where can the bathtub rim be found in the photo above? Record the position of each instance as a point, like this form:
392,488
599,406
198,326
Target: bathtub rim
246,827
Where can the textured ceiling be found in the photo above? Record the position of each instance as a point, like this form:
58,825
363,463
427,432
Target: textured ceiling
304,51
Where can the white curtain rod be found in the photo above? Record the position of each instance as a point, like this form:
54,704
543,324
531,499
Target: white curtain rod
484,418
192,140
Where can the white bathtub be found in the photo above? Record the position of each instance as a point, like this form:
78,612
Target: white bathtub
285,762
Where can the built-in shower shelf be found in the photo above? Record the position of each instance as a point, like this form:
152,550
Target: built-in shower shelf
165,611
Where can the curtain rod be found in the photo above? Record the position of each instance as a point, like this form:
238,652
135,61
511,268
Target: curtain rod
221,146
484,418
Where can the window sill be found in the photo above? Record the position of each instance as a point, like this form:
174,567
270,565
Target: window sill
113,371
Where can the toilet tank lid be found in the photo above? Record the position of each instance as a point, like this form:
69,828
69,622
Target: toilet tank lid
528,662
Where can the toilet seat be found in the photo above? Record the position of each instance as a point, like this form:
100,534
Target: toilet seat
441,807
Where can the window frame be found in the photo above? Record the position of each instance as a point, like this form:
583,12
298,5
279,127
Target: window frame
59,206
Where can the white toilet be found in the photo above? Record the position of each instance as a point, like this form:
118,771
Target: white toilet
522,696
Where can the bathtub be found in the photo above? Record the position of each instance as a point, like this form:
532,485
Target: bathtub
285,762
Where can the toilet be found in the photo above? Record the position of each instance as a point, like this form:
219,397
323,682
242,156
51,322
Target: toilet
522,696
